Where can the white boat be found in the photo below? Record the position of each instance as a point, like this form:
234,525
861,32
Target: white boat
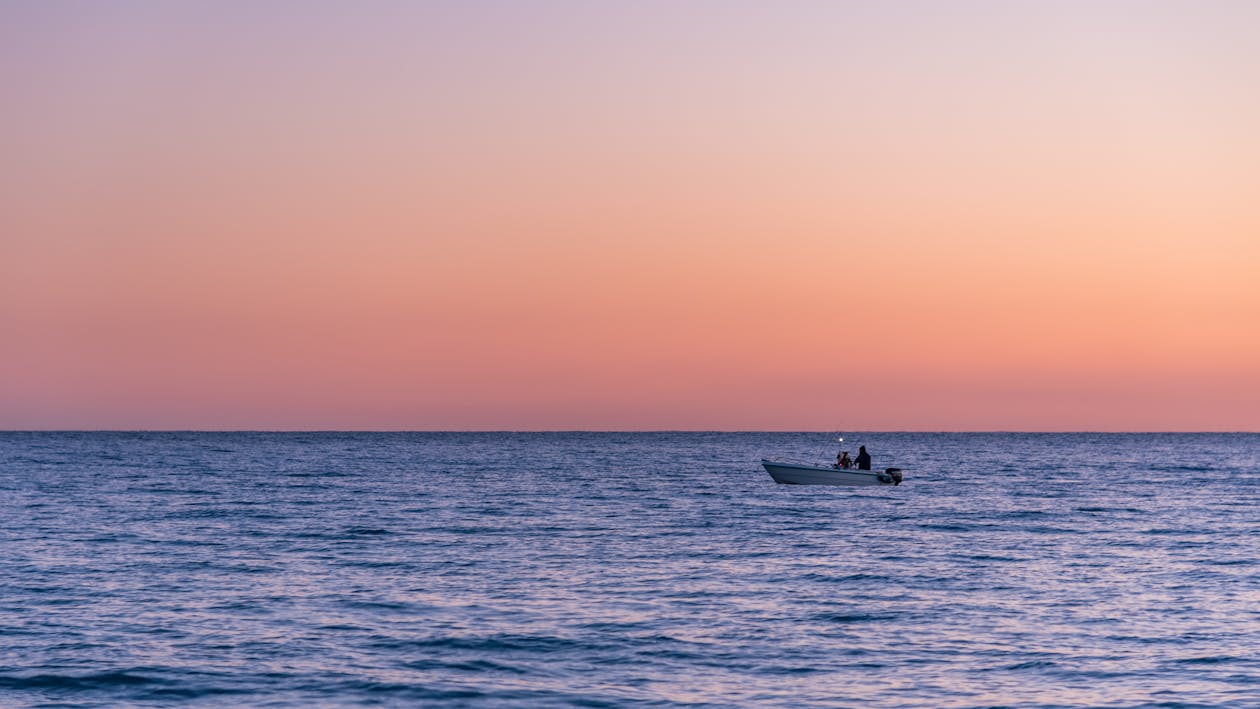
804,474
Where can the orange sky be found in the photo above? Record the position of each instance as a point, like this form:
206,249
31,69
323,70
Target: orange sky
702,215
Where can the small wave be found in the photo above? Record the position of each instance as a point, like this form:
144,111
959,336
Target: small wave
608,626
1026,514
670,654
534,643
796,669
948,527
189,543
990,557
236,606
247,569
101,680
377,605
474,530
375,564
315,535
339,627
1032,665
203,513
471,666
367,531
845,618
406,691
847,577
1209,660
1045,529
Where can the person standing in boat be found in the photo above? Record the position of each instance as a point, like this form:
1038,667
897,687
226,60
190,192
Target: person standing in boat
863,459
843,461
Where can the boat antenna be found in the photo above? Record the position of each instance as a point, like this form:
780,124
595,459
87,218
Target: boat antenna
840,440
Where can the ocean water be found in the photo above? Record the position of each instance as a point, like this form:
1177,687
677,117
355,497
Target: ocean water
610,569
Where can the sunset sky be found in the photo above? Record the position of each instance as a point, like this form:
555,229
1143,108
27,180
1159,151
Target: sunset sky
1006,215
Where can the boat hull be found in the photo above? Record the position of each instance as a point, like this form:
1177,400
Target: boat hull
797,474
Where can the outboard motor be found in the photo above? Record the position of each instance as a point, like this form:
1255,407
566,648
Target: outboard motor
894,474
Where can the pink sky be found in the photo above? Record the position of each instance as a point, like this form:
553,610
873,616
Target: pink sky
649,215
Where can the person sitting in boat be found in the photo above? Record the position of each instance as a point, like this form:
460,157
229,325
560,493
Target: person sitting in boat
843,461
863,459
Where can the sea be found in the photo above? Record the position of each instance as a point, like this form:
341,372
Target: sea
627,570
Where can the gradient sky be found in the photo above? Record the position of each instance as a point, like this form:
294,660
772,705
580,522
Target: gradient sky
641,215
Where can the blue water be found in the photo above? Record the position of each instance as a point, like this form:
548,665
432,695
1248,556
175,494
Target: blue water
605,570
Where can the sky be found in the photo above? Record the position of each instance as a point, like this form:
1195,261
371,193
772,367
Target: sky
722,215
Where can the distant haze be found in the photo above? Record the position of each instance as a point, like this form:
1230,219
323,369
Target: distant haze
639,215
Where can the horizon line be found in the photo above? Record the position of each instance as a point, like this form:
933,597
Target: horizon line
614,430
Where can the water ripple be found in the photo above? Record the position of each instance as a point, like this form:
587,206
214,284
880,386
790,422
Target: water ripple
610,570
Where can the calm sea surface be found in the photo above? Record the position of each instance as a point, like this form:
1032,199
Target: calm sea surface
601,569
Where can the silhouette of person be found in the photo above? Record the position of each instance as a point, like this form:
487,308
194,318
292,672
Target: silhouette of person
863,459
843,461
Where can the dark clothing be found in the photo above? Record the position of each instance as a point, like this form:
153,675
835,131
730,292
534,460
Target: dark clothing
864,460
